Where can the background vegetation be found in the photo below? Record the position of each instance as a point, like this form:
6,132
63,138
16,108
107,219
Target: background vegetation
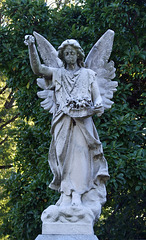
25,126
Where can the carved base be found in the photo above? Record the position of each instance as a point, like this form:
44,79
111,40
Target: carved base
66,237
71,214
67,228
69,219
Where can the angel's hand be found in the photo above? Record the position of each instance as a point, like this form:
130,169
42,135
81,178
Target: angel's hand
99,109
98,105
29,40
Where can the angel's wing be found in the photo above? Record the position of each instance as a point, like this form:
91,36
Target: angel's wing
97,60
50,58
48,95
47,51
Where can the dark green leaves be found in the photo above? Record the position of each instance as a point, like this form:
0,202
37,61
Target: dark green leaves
121,129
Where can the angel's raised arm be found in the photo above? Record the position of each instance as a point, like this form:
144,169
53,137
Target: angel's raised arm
37,67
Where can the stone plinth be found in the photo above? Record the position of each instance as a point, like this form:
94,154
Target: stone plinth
67,228
66,237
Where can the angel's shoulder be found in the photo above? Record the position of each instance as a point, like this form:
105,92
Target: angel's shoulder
56,71
88,75
90,72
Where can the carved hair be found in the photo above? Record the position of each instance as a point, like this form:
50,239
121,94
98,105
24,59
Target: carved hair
76,46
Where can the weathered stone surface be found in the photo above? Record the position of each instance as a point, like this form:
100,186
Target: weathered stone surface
66,237
67,228
73,91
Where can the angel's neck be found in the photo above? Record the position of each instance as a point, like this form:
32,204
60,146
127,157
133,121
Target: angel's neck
72,67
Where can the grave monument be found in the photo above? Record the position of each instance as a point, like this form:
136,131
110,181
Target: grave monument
73,91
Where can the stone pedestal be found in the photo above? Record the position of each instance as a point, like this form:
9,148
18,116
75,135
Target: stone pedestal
67,228
66,237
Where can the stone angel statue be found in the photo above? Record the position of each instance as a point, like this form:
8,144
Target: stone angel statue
73,91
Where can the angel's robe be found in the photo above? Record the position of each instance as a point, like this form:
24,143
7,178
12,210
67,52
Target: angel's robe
76,155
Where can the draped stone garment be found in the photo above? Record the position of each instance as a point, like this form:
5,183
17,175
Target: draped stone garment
75,156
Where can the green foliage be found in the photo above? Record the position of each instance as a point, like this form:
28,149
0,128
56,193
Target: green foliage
29,183
8,123
121,129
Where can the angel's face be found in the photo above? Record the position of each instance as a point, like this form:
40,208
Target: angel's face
70,55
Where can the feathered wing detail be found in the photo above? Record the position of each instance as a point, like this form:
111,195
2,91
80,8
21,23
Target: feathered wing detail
48,95
97,60
47,52
50,58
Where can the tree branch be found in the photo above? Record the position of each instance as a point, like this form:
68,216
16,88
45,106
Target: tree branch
3,140
6,166
3,89
8,104
11,120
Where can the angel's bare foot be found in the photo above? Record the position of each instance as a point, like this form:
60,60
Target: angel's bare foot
64,200
76,199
